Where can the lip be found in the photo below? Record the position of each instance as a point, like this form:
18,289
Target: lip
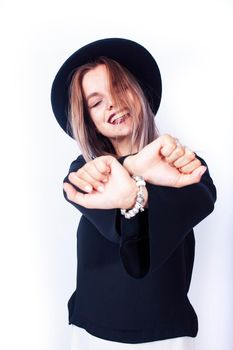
112,115
125,118
123,121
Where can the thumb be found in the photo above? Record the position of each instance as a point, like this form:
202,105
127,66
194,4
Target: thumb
194,177
108,159
106,162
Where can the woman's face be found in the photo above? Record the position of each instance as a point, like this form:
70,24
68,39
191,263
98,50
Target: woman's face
101,106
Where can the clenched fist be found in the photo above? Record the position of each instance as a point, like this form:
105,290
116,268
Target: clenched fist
118,192
165,162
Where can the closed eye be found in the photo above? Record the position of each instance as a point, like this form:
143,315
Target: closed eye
96,104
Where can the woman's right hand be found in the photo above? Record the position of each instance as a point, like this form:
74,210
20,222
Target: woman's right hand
93,174
119,191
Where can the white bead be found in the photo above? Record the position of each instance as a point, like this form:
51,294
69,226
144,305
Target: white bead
140,183
139,200
135,210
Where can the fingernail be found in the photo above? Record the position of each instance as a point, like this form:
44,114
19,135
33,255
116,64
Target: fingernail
100,188
105,180
88,188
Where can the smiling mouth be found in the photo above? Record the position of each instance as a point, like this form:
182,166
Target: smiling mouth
120,119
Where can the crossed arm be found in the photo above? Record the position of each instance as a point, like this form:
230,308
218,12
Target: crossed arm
179,197
162,162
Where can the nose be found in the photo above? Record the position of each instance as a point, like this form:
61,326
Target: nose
110,103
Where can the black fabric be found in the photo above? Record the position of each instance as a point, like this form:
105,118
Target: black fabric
133,275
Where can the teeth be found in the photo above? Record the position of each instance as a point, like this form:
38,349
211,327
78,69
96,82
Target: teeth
116,116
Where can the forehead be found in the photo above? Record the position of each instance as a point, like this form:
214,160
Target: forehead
95,77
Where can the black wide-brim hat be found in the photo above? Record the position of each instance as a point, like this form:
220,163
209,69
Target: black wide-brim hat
128,53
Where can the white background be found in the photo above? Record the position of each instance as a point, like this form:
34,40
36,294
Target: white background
192,43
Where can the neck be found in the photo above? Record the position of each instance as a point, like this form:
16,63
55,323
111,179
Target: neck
125,152
124,149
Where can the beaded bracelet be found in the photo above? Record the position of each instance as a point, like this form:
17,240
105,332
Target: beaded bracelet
139,200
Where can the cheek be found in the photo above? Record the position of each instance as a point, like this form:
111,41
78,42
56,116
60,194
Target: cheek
96,116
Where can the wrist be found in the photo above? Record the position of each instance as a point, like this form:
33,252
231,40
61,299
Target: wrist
129,164
131,199
140,203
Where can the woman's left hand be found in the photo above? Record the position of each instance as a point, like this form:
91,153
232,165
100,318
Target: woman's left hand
165,162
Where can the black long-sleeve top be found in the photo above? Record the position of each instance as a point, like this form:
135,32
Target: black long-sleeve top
133,275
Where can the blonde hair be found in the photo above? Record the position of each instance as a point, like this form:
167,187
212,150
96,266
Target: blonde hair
90,141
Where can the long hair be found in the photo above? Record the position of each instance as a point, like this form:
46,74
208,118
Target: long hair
90,141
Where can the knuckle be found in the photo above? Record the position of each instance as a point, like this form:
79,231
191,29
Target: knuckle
197,162
190,153
192,157
100,166
97,184
104,158
80,171
180,149
166,135
71,176
100,178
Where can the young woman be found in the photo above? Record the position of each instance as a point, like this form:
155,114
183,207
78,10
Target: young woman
140,195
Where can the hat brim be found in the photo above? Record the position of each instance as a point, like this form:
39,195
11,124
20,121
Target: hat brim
130,54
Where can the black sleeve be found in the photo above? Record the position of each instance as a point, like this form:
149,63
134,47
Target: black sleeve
109,222
105,221
171,214
148,239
